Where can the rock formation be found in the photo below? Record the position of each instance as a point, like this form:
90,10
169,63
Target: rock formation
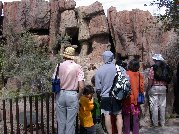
130,33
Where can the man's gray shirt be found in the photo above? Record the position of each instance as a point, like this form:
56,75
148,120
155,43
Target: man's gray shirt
104,78
105,74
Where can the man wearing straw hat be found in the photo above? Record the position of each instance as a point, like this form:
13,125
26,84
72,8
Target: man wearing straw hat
71,80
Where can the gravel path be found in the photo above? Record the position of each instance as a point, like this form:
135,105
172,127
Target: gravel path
160,130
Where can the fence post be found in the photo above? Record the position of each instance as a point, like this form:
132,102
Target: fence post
25,117
4,116
31,127
36,108
42,123
11,116
47,111
17,115
53,129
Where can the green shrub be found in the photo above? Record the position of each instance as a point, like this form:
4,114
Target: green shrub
30,62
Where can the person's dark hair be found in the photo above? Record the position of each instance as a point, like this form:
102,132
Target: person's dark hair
93,80
120,60
88,89
160,63
134,65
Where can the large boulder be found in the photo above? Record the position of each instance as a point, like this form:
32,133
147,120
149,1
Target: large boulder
21,16
130,30
54,22
92,10
37,15
14,17
68,21
98,25
66,5
83,25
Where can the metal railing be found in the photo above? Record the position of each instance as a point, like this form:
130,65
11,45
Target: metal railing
29,114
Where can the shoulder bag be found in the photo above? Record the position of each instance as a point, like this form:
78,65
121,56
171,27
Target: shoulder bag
56,82
140,99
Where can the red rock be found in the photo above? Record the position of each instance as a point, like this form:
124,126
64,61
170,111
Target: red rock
98,25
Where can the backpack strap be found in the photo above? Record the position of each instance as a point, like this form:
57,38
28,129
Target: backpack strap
139,82
118,69
57,71
116,76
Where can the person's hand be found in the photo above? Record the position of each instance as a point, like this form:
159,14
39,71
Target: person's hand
98,92
99,97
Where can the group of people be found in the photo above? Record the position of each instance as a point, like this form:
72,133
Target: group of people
75,97
127,109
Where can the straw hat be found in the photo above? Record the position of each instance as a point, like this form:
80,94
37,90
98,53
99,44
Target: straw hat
69,52
158,57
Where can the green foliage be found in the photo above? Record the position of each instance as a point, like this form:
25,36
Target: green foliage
29,61
1,61
1,55
59,40
171,17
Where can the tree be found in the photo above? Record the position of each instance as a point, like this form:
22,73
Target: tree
171,17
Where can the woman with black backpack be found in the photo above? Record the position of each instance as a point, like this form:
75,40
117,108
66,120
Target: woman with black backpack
158,80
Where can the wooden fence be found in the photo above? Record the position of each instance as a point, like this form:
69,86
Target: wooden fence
30,114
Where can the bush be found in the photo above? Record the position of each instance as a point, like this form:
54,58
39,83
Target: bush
28,61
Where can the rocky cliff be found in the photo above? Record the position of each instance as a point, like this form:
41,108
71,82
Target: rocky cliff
130,33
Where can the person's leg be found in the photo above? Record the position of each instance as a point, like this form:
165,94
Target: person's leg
72,109
119,123
162,106
83,130
153,99
61,112
135,124
116,110
126,123
91,130
108,123
99,128
106,111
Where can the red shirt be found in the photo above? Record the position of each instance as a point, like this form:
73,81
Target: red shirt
134,81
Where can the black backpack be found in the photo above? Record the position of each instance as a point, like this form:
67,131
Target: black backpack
162,72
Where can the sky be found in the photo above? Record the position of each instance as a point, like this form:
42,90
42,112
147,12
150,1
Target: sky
120,5
124,5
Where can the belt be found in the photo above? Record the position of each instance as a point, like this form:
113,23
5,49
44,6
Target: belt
159,83
69,90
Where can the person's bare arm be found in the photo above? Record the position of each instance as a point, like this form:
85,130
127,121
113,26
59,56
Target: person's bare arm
80,87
